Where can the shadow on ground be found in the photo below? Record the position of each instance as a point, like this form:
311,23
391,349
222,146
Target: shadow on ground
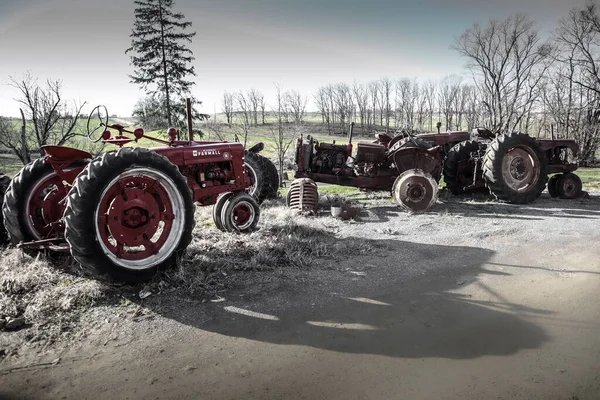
402,302
544,207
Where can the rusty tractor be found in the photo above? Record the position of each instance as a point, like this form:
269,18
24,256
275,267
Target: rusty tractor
410,167
514,167
130,212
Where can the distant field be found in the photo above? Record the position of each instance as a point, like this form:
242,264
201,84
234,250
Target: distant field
9,164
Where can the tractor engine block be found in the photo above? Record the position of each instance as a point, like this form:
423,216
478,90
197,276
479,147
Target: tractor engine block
329,158
210,174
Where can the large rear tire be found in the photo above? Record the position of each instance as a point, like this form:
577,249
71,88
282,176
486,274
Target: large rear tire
459,166
32,201
264,175
4,183
129,214
515,169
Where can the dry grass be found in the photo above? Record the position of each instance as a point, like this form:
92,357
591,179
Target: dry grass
57,299
41,292
284,240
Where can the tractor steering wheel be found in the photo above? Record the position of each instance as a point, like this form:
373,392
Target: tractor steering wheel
99,118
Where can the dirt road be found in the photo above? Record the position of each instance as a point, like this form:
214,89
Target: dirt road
508,308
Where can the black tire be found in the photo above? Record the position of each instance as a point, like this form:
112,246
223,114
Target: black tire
515,169
459,166
569,186
218,208
240,213
552,190
266,178
15,211
90,202
4,183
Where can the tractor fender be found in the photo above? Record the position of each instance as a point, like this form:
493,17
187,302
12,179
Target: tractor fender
427,160
257,148
65,154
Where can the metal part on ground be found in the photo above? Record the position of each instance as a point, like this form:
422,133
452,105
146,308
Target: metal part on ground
303,196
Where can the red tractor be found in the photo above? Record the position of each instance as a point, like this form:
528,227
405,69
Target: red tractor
130,212
514,167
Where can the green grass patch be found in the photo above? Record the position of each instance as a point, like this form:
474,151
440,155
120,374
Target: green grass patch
590,177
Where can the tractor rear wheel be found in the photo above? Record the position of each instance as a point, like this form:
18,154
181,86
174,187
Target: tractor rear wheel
415,190
218,208
129,214
569,186
552,182
240,213
263,174
32,202
4,182
515,168
459,167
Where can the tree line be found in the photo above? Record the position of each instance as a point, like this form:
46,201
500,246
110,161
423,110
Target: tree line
519,81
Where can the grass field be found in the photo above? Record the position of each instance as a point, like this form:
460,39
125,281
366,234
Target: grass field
10,165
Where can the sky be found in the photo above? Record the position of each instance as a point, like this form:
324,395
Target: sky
245,44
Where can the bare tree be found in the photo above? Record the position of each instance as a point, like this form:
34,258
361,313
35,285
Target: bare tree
15,139
508,59
344,104
53,120
430,90
407,92
280,132
385,94
228,106
323,106
574,102
297,105
447,97
460,104
361,98
254,98
243,108
262,105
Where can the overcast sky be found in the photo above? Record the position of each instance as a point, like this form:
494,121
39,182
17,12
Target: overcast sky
243,44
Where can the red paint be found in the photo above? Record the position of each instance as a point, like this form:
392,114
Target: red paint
130,214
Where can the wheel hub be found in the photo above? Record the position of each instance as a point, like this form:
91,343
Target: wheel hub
520,169
415,192
133,217
569,187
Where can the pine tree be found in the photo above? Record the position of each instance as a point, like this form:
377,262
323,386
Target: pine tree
161,59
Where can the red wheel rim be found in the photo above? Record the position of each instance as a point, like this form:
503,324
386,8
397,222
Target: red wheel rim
137,218
242,215
44,205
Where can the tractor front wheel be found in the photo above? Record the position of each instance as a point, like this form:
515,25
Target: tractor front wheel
415,190
552,185
218,208
569,186
129,214
240,213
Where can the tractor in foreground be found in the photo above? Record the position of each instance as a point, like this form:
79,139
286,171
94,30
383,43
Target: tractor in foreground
130,212
514,167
